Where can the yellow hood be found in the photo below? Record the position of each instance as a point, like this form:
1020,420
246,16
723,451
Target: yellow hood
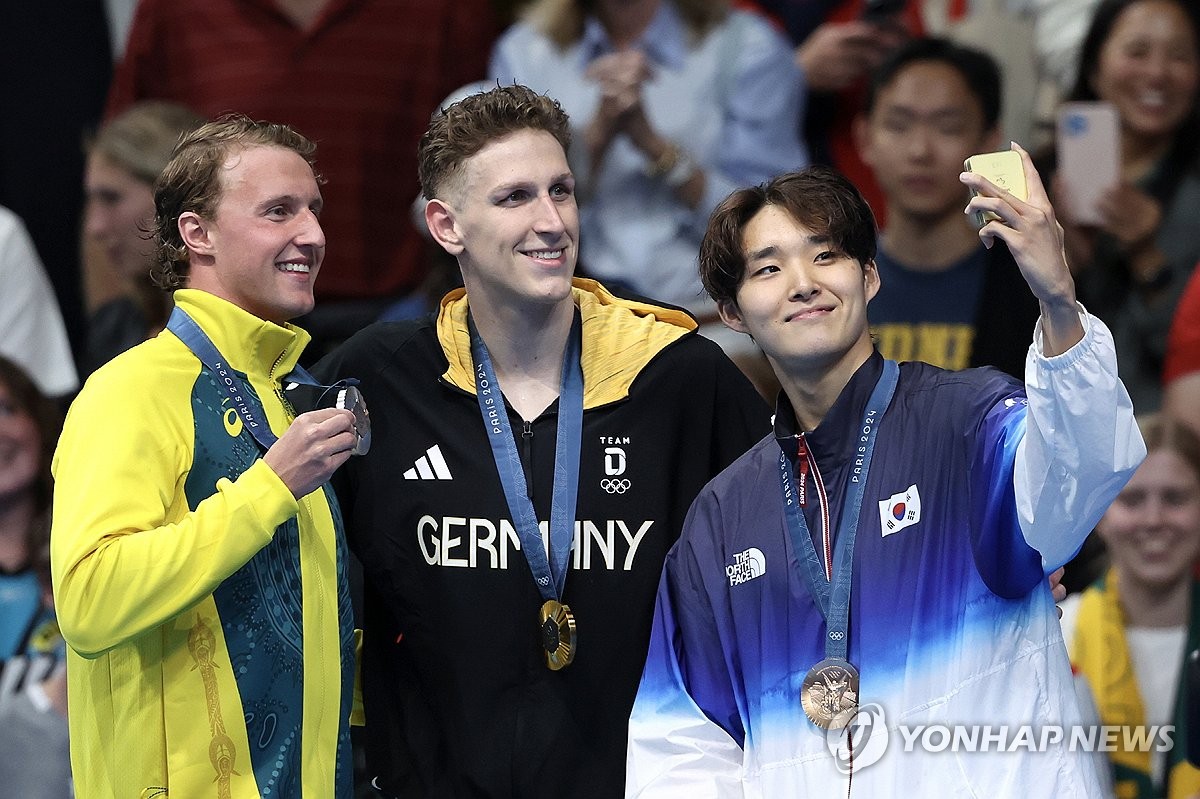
619,338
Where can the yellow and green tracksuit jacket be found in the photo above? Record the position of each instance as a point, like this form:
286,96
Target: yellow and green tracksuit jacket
211,646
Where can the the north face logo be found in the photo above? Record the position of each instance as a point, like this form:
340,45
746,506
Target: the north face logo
746,566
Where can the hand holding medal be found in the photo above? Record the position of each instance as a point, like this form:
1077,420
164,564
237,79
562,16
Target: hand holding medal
351,399
346,397
306,455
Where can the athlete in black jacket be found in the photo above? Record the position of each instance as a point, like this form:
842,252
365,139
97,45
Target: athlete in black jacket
461,699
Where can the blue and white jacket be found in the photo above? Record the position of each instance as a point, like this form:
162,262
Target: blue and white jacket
979,487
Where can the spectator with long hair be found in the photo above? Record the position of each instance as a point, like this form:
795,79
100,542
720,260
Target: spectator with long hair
123,162
32,679
1143,56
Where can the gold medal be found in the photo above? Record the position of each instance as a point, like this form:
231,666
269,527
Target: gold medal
558,634
829,694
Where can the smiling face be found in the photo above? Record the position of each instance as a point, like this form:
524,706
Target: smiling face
1148,68
264,245
509,216
802,300
20,449
1152,529
924,124
120,207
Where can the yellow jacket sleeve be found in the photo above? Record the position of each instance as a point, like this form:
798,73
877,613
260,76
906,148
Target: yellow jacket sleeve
127,554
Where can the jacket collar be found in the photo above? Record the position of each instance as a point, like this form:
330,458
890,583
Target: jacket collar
832,441
253,346
619,338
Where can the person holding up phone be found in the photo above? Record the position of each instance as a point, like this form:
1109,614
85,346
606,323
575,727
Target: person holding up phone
1143,57
879,562
838,55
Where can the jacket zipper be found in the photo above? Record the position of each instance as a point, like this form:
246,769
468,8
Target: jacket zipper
527,455
278,386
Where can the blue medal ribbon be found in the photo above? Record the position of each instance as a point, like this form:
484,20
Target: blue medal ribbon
550,575
832,596
241,396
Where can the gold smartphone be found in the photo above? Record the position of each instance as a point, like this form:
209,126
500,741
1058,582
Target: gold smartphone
1005,170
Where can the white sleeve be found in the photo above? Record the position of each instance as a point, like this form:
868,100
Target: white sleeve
675,747
34,334
682,756
1081,443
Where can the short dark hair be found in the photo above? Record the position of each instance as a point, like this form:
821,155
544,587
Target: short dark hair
979,71
818,198
191,181
462,129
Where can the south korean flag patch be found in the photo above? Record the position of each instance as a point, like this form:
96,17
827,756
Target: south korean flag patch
899,511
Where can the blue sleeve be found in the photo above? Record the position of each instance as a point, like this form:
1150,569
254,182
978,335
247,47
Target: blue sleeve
1048,461
1008,565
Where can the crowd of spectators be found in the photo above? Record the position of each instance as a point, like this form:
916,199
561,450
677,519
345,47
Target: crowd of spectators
675,102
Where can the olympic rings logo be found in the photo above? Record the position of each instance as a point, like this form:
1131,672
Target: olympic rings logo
614,486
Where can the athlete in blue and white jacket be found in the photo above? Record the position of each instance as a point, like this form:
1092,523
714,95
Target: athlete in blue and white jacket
977,488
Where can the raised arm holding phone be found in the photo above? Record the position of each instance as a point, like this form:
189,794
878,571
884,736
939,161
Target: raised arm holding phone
881,560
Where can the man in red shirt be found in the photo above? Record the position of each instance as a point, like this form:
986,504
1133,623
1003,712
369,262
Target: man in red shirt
1181,372
361,77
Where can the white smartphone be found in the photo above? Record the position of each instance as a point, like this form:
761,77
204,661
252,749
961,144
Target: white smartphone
1089,157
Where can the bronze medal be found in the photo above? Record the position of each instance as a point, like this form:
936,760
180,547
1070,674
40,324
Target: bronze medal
558,634
829,694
